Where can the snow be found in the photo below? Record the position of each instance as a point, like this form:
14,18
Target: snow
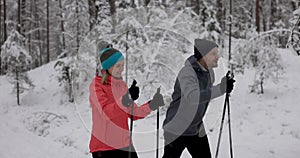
265,125
297,12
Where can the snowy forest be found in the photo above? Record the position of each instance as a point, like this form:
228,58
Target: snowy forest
49,56
43,31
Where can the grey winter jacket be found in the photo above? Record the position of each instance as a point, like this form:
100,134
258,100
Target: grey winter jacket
193,91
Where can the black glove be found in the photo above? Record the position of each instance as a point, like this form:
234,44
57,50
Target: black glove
134,91
131,95
157,100
227,83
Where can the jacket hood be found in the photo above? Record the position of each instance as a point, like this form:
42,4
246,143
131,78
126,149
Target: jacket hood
193,62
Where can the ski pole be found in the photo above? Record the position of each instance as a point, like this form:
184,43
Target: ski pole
221,127
131,129
226,103
157,128
131,123
229,126
231,76
157,133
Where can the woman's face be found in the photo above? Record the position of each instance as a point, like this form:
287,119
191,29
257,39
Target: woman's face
117,69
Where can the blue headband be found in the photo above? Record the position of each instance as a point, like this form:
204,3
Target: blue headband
112,60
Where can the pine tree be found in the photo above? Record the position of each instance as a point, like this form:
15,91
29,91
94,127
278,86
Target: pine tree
66,77
76,24
103,20
62,28
92,13
18,60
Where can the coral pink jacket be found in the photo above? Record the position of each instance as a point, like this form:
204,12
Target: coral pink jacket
110,118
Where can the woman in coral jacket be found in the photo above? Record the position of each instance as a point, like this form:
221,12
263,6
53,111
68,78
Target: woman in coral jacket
111,101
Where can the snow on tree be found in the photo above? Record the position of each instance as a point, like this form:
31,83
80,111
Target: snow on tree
76,23
152,51
16,57
84,64
205,25
149,49
294,38
260,54
103,16
66,74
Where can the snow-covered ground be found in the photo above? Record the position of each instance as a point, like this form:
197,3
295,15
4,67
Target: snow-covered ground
45,125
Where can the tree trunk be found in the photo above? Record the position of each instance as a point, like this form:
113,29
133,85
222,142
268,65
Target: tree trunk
268,15
220,17
19,17
230,34
92,12
23,15
77,27
3,68
132,4
294,5
113,14
197,6
4,20
18,85
261,84
62,27
38,35
1,14
30,23
71,98
48,32
273,13
147,2
257,17
164,3
219,14
1,39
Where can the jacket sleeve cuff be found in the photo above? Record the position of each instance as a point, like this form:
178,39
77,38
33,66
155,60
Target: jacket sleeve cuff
216,91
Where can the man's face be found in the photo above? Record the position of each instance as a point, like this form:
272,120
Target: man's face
211,58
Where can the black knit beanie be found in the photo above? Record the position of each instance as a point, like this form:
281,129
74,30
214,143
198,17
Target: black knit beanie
202,47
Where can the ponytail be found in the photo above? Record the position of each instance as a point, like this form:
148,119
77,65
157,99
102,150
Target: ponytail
104,77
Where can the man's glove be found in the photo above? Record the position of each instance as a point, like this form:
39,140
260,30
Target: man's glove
157,100
131,95
226,85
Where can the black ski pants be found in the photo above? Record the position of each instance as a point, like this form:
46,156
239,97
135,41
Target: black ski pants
118,153
196,146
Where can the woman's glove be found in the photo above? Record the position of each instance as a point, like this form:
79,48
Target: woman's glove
134,91
131,95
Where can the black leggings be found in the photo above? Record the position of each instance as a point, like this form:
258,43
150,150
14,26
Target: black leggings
117,153
197,147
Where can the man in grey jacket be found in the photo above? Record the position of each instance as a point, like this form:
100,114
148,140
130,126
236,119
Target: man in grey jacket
193,90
